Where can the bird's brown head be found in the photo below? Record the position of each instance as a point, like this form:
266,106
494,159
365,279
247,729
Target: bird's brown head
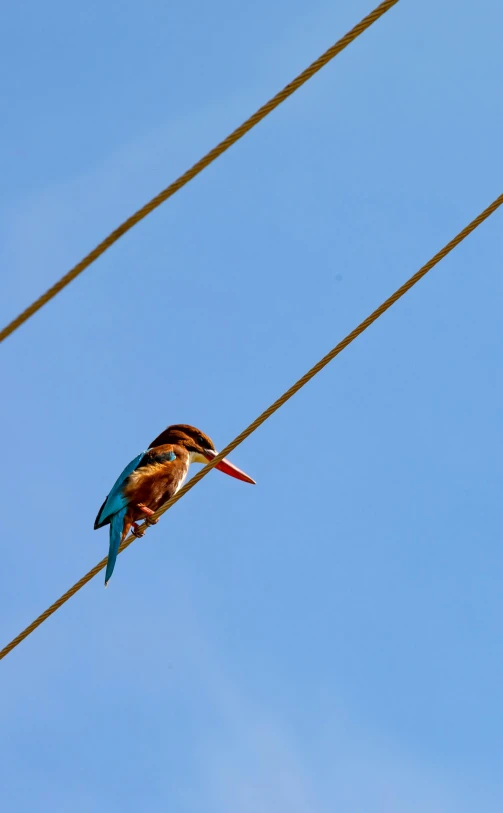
181,434
200,447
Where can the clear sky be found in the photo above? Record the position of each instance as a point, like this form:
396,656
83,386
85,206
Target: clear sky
329,639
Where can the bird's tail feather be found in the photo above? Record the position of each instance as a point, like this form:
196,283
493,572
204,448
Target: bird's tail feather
116,528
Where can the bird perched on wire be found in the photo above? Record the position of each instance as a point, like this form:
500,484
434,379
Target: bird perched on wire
151,479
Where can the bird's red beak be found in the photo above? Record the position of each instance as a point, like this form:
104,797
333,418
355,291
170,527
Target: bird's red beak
229,468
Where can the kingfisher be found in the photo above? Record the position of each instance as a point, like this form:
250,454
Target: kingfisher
151,479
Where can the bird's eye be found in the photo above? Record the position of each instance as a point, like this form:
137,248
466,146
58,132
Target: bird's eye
202,441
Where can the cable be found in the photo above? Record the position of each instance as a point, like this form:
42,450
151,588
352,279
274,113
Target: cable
266,414
191,173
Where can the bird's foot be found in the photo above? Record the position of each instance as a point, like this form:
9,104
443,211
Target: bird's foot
145,509
137,531
149,513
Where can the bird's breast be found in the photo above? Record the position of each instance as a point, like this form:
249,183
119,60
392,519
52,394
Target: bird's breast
154,484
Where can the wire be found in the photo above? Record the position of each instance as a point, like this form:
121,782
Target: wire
266,414
191,173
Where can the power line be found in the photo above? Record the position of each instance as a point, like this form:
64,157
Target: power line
191,173
267,413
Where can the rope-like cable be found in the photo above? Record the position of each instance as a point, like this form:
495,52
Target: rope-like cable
191,173
266,414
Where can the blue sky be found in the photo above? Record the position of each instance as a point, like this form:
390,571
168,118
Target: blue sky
329,639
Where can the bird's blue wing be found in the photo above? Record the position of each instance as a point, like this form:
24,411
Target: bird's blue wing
116,500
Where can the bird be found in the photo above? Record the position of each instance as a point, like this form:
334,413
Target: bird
151,479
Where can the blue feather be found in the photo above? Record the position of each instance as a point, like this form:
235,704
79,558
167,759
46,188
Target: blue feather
116,505
116,527
116,501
